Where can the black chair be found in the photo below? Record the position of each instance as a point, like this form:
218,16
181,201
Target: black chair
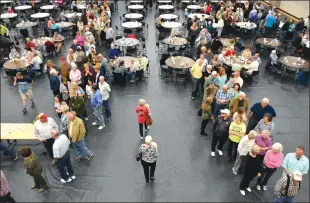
255,76
180,74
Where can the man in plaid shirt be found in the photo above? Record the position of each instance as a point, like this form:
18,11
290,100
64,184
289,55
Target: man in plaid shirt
5,194
222,98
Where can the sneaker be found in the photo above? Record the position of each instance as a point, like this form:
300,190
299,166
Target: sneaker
43,189
193,98
33,105
242,192
90,156
203,133
34,187
152,178
94,123
234,172
220,152
249,189
141,138
24,110
147,129
212,153
264,187
86,118
66,181
78,159
258,187
73,177
16,157
101,127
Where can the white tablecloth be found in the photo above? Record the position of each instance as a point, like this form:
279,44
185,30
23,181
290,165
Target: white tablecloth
8,15
168,16
81,7
24,7
25,25
131,24
136,7
198,15
164,1
124,42
71,15
133,15
40,15
47,7
171,24
165,7
196,7
136,1
5,2
246,25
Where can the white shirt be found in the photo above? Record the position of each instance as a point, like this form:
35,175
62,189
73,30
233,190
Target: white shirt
245,145
43,130
253,66
60,146
305,41
36,61
109,33
89,91
239,80
104,90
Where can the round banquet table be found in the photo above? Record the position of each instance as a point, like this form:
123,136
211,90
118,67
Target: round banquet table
81,6
165,7
41,41
136,1
292,61
71,15
227,42
246,25
126,59
133,16
175,41
194,7
5,2
136,7
8,15
131,24
47,7
164,1
168,16
171,24
40,15
269,42
126,42
23,7
198,15
238,60
17,64
26,25
65,24
180,62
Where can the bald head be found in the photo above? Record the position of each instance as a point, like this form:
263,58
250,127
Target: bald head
101,79
54,133
265,102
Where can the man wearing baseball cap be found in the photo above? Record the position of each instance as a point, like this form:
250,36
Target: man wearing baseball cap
287,187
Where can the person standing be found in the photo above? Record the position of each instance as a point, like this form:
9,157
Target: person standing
149,155
206,114
54,82
287,187
251,169
236,131
265,124
105,93
273,160
236,103
76,132
264,142
222,99
296,161
62,155
220,131
76,104
33,168
25,89
5,193
42,130
142,112
96,102
196,72
245,145
257,113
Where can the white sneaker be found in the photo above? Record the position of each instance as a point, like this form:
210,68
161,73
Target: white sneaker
86,118
234,172
66,181
73,177
212,153
249,189
220,152
101,127
94,123
264,187
258,187
147,129
242,192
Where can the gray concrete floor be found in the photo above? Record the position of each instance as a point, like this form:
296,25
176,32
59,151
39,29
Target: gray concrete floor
185,171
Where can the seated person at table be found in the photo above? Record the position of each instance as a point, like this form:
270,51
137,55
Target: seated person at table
119,73
35,63
257,58
132,36
57,38
158,22
186,13
55,27
50,22
10,10
29,44
113,52
34,50
222,57
132,67
49,46
14,54
216,45
230,51
247,53
252,65
238,45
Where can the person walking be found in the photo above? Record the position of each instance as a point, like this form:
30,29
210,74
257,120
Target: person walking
76,132
33,168
62,155
220,131
8,151
105,92
96,101
273,160
42,130
142,111
148,154
25,89
251,169
206,114
287,187
5,192
245,145
236,131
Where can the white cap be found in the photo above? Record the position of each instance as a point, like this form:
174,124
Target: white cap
297,175
225,111
214,73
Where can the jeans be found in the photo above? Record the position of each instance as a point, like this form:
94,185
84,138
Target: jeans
240,159
217,108
204,123
63,163
7,150
98,116
266,174
283,199
81,149
49,147
141,128
232,149
146,168
217,139
107,110
196,87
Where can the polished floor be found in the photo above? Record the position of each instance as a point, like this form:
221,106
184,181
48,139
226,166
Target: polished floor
185,171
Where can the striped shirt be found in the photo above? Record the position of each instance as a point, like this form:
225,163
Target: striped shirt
280,188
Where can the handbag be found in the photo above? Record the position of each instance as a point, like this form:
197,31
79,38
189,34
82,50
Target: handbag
139,156
199,113
148,120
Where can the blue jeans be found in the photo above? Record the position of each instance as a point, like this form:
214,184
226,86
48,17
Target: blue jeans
98,116
283,199
7,150
132,75
81,149
107,110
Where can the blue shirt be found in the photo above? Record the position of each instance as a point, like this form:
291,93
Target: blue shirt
259,111
270,20
292,163
222,95
56,27
112,53
96,100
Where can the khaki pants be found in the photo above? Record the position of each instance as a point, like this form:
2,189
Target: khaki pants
98,37
27,95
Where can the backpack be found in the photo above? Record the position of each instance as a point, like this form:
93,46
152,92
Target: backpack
288,184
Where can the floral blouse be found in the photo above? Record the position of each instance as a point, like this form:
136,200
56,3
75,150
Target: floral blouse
148,155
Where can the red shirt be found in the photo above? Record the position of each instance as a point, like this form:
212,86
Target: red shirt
29,44
208,9
142,112
133,36
230,53
10,11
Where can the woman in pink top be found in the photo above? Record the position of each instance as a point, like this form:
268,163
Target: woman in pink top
273,160
75,74
80,39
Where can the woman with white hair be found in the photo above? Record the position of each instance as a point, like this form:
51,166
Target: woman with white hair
142,112
273,160
75,74
148,154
